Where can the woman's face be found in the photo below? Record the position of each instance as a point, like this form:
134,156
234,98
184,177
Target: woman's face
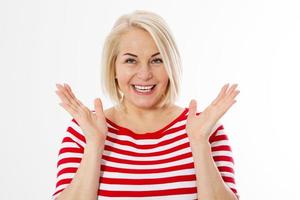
140,70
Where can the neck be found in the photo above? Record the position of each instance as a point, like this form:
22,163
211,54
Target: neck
139,113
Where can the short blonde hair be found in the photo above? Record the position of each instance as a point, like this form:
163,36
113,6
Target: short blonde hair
163,38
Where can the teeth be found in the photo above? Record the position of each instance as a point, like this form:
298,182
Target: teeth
143,87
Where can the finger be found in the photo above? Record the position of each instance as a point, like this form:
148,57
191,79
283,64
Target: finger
232,89
64,99
70,100
221,94
98,107
192,107
232,93
229,105
72,94
69,109
69,90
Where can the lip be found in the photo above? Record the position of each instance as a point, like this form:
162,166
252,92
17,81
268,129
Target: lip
143,85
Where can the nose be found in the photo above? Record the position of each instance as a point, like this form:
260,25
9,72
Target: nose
144,72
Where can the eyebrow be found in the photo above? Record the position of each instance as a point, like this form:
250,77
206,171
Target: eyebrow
130,54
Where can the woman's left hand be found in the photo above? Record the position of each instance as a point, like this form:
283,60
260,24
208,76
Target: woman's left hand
200,126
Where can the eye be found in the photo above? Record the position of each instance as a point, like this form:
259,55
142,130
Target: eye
157,60
129,60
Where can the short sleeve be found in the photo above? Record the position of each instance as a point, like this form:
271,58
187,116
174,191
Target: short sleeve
69,156
223,156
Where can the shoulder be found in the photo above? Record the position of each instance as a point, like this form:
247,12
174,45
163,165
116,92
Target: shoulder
110,113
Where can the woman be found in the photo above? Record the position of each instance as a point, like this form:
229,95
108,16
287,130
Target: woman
145,146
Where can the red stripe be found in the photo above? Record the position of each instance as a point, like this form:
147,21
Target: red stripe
221,148
149,146
145,171
123,181
67,170
228,179
57,192
150,162
63,181
76,134
157,153
234,190
147,193
226,169
68,160
213,136
219,138
68,139
223,158
70,150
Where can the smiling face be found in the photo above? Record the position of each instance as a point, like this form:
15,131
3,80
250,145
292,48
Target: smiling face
140,71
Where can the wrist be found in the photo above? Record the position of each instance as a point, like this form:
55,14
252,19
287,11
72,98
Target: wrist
95,144
199,138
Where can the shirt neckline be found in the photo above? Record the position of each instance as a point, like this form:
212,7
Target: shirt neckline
146,134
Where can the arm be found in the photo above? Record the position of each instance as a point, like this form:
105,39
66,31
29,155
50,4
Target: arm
78,167
214,176
201,130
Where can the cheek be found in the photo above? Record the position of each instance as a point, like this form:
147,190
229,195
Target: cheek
123,77
163,76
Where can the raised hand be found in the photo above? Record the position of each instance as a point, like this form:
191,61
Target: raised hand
200,126
93,124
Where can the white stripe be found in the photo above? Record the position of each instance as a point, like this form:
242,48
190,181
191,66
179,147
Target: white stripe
178,124
227,174
218,143
156,166
147,141
150,187
148,158
78,130
152,150
224,163
62,186
69,144
65,176
66,165
222,153
69,155
220,132
167,197
182,172
231,185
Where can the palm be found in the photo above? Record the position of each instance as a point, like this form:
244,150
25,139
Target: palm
93,124
200,126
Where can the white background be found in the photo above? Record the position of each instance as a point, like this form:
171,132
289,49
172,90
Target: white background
254,43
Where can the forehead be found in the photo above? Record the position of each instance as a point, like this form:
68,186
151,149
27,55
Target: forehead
138,42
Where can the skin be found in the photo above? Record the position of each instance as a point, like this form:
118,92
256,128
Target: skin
141,69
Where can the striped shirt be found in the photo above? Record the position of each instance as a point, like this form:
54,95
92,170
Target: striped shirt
154,165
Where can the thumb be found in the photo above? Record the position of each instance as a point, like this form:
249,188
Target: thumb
193,107
98,107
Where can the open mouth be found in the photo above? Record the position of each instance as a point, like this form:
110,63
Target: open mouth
143,89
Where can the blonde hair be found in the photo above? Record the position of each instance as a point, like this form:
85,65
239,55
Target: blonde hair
163,38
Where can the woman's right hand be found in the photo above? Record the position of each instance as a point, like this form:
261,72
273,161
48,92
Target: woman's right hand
93,124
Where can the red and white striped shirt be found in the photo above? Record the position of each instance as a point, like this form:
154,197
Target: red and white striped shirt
149,166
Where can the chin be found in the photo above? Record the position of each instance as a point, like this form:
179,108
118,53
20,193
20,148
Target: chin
144,104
